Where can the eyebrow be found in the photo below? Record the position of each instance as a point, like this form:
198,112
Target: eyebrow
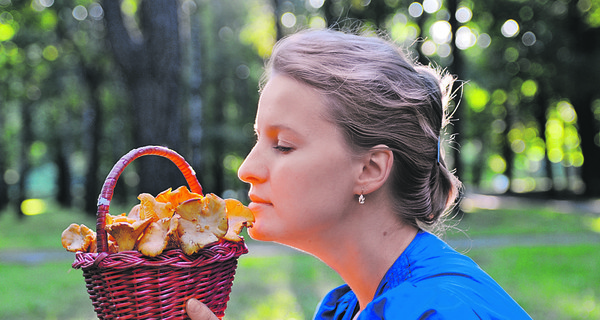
277,127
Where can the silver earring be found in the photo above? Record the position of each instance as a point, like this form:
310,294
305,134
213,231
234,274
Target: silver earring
361,199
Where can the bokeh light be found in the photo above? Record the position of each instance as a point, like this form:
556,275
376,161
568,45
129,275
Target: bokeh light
80,13
33,207
484,40
317,22
431,6
288,19
510,28
11,176
316,4
95,11
50,53
428,48
465,38
444,50
463,15
529,88
497,163
529,38
415,9
441,31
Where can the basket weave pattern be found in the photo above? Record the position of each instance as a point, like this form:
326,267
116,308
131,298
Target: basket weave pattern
129,285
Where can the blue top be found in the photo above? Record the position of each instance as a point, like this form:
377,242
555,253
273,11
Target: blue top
429,280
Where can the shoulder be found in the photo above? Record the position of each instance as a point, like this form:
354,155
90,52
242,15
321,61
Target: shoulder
442,284
437,300
337,304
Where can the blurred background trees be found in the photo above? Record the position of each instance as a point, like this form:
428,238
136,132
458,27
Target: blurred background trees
82,82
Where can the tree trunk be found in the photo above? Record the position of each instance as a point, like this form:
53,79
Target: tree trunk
151,67
540,115
93,121
195,102
589,149
3,168
25,167
277,15
4,199
64,175
586,71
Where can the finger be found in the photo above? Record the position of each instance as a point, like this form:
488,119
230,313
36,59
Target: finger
197,310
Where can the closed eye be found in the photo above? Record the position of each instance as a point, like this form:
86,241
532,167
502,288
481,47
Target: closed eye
283,149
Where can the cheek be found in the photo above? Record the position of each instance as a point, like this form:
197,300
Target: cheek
316,188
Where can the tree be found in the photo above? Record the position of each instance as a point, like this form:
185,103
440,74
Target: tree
149,56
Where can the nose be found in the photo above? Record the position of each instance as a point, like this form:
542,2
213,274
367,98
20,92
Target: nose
252,170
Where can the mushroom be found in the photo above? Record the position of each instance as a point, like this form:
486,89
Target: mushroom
150,208
78,238
177,197
203,221
126,233
154,240
238,216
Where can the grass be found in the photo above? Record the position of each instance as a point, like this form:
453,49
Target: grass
558,282
525,221
550,282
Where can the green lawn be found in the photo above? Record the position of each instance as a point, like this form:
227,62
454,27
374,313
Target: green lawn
550,282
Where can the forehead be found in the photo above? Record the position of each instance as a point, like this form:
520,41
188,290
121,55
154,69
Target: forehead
286,102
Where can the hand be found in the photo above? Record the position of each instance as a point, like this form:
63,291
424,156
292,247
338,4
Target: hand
197,310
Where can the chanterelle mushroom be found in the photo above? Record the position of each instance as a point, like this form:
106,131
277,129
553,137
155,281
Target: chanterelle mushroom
177,197
239,216
203,221
126,233
78,238
150,208
154,240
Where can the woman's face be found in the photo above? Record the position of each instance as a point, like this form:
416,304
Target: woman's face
301,171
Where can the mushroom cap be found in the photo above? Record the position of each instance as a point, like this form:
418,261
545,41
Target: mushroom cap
238,216
150,208
177,197
203,221
154,239
126,234
78,238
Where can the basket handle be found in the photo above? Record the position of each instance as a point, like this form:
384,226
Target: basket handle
111,180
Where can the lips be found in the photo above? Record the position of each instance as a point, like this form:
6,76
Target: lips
257,199
257,202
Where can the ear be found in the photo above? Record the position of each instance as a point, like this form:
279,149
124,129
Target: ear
377,166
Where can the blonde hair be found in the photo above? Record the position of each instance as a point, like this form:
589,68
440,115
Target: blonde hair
377,96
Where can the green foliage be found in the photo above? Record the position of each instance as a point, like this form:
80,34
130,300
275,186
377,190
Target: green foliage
521,62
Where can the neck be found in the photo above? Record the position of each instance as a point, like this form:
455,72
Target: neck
363,249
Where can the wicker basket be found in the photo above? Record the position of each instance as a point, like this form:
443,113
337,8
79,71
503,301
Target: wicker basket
129,285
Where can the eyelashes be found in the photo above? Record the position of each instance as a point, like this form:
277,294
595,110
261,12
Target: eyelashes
283,149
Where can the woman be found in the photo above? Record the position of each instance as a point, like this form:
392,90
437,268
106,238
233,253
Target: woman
347,167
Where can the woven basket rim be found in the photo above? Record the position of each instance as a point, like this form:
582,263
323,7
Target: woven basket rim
217,252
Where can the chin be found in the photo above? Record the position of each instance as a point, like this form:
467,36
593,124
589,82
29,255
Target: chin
257,234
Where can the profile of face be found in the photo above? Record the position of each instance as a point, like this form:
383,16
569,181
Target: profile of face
301,170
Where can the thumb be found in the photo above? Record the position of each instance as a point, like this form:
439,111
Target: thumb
197,310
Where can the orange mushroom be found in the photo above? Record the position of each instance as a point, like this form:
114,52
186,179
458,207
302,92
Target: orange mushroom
238,216
203,221
78,238
126,234
154,240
